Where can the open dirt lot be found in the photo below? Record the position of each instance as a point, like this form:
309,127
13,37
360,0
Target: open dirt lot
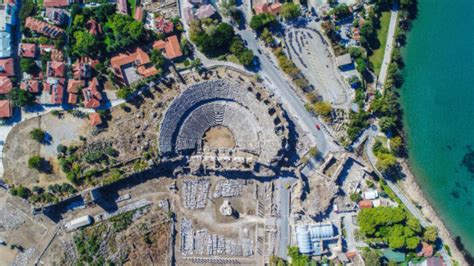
20,147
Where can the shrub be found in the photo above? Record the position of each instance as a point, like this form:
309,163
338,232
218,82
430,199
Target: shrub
35,162
37,134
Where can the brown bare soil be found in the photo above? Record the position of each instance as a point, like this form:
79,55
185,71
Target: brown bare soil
219,137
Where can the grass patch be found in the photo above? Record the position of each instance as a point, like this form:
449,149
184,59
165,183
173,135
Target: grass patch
377,56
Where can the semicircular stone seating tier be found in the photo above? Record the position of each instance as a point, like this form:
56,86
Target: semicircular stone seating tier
219,103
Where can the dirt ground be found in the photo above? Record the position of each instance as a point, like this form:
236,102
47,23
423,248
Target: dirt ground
145,241
219,137
20,147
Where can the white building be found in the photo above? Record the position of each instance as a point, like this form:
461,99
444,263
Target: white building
5,44
370,195
79,222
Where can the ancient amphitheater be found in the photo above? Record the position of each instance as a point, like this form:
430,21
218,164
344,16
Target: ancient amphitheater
256,123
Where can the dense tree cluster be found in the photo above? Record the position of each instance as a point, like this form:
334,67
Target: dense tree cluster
263,20
290,10
297,259
392,226
120,31
341,11
216,39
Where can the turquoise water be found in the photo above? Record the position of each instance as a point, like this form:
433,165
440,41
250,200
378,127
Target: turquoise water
438,101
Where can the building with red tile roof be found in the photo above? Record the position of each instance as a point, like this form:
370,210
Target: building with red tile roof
122,7
27,50
138,16
32,85
126,66
6,67
426,250
93,27
6,109
56,55
92,95
74,85
55,87
81,70
365,204
44,28
55,69
94,119
164,25
55,3
273,8
6,85
171,47
73,88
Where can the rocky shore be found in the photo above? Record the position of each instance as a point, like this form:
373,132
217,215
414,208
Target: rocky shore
414,192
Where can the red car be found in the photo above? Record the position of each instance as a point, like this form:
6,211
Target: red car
317,126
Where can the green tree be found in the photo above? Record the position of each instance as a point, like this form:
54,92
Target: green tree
157,58
84,44
124,92
267,36
396,144
387,123
323,108
356,197
258,22
297,259
431,234
341,11
413,242
290,10
361,65
28,65
35,162
21,192
246,57
386,162
37,134
20,97
372,257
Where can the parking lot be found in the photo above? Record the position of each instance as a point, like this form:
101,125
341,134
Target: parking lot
310,53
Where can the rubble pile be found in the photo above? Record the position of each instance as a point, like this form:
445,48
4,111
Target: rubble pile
9,221
195,193
227,188
201,242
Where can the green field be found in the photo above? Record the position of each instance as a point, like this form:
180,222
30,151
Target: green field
377,57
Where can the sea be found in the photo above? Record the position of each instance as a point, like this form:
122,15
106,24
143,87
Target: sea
438,104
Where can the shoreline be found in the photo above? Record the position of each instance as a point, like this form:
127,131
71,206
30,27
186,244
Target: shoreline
414,192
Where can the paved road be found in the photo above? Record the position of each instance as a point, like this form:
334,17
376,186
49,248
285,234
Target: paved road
284,91
388,47
284,201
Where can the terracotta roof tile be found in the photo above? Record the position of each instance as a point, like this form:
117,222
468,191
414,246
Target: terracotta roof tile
31,85
6,67
6,85
94,119
28,50
171,46
5,109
